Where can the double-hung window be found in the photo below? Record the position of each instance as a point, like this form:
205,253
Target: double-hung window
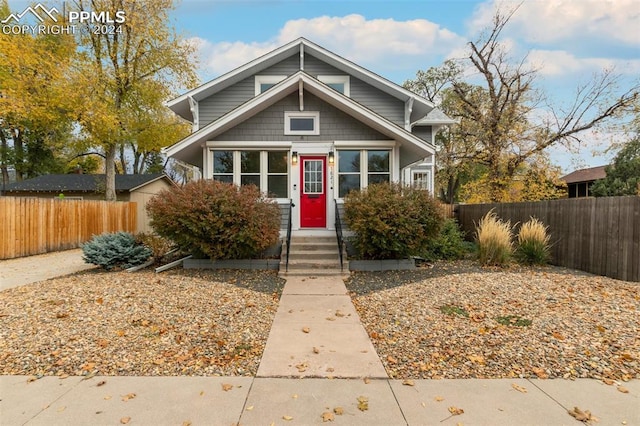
223,166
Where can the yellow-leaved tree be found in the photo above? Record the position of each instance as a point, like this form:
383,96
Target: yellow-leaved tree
125,73
37,107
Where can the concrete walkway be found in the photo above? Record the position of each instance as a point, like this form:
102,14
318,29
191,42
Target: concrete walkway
27,270
350,386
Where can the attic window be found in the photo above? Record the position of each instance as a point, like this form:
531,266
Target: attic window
301,123
266,82
336,82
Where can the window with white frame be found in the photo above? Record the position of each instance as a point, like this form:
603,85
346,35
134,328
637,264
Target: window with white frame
359,168
268,170
337,82
266,82
421,179
301,123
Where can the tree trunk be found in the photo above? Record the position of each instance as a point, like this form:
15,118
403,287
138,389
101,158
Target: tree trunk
4,148
18,149
110,171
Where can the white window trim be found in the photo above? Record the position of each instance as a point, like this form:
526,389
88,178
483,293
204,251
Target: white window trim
337,79
267,79
301,114
427,173
364,167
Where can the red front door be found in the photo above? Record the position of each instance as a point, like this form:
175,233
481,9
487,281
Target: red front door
313,198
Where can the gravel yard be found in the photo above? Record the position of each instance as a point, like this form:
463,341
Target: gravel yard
452,320
175,323
457,320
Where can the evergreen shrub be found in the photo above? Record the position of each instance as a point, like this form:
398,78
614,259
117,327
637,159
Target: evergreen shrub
117,250
391,221
449,244
216,220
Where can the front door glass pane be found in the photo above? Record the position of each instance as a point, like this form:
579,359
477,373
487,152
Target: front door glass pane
313,177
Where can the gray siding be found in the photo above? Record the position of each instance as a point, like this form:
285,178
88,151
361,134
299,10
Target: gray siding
216,106
288,66
268,125
383,104
423,132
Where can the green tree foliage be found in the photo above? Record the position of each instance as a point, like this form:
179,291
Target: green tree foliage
216,220
623,176
125,76
391,221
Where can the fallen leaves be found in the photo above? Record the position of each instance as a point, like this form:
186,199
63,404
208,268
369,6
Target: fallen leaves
519,388
327,416
540,372
455,411
125,420
582,416
623,389
363,403
287,418
227,387
306,330
408,382
302,367
128,396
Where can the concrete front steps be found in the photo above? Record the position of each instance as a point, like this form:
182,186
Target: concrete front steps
312,255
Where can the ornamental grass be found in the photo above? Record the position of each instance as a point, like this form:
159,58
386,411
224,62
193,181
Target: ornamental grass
494,240
533,243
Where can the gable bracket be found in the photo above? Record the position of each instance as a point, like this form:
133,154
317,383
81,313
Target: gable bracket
301,57
408,108
301,94
193,106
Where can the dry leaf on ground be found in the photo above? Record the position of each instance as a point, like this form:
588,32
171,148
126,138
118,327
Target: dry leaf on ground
583,416
339,411
363,403
455,411
408,382
328,416
519,388
128,396
125,420
227,387
306,329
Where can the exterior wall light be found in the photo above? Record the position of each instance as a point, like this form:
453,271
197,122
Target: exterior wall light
294,157
332,157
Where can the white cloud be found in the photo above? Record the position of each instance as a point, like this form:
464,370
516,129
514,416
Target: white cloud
558,63
379,44
555,20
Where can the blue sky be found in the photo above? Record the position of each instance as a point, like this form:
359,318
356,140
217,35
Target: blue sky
567,40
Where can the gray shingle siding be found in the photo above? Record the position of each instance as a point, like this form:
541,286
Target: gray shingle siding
423,132
216,106
268,125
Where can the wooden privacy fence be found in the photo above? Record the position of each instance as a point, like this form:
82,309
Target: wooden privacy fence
597,235
31,226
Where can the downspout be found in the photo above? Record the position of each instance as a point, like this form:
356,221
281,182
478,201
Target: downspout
193,106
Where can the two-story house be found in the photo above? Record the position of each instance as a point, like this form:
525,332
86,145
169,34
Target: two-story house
307,126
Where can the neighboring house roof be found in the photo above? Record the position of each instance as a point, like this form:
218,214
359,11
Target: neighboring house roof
586,175
190,148
182,104
435,117
82,183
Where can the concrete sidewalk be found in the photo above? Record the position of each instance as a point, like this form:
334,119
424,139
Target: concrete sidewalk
266,401
31,269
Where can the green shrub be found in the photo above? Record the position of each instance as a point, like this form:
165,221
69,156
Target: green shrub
391,221
216,220
533,243
494,240
118,250
449,244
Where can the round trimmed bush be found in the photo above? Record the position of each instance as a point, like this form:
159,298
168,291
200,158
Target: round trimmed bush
391,221
216,220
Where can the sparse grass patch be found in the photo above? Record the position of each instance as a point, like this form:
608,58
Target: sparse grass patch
533,243
454,310
494,240
514,320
